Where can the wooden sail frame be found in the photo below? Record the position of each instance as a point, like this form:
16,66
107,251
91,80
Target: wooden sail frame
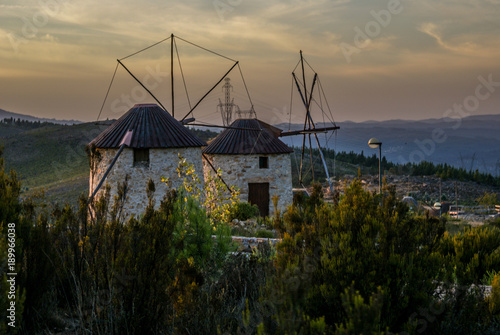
309,125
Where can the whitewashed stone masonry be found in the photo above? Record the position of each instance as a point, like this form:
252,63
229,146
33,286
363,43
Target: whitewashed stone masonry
239,170
162,163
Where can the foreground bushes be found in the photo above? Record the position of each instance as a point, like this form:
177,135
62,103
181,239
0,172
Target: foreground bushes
159,273
367,266
362,266
243,211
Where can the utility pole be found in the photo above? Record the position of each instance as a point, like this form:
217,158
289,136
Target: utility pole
440,189
456,198
440,196
375,143
379,168
172,70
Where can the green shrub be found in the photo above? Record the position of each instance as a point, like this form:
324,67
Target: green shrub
494,298
267,222
454,228
243,211
264,233
369,241
474,251
362,317
495,222
489,277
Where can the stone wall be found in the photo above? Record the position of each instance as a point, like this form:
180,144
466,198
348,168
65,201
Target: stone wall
162,163
239,170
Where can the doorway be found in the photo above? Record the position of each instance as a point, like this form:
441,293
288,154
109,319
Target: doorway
258,194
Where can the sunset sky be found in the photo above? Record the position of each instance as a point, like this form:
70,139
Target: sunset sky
421,57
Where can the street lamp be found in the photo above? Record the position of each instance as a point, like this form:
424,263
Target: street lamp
374,144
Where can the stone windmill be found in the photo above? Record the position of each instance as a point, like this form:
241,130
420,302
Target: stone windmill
253,159
142,145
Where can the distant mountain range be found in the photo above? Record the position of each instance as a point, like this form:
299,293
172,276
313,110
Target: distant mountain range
470,143
7,115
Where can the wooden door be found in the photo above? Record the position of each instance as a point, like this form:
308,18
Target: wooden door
258,194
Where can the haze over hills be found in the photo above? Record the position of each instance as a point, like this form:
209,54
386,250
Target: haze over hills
470,143
7,115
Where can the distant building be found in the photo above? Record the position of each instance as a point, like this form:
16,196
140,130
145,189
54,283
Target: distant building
156,140
253,159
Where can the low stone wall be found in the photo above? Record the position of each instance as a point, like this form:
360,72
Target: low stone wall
253,241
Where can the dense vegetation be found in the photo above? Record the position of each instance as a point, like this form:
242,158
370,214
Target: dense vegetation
364,265
204,134
23,124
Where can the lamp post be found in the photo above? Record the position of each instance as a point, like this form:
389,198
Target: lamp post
374,143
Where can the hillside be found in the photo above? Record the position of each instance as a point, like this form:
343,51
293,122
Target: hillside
52,156
7,115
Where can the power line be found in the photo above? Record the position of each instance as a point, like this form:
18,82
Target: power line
146,48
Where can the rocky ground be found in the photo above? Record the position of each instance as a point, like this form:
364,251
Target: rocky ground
426,190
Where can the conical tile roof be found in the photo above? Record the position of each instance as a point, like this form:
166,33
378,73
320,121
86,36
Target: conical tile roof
247,136
151,127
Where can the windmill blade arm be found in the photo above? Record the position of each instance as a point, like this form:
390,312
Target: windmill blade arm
324,162
305,101
302,158
308,107
216,173
127,138
308,131
302,97
140,83
298,88
221,79
311,156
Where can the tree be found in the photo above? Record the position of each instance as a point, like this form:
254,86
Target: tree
10,188
488,199
368,242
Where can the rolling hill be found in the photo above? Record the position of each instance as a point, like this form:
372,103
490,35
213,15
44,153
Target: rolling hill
52,156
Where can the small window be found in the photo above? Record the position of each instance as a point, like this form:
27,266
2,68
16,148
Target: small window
141,157
263,162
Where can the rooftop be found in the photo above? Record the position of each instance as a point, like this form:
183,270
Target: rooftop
248,136
151,127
